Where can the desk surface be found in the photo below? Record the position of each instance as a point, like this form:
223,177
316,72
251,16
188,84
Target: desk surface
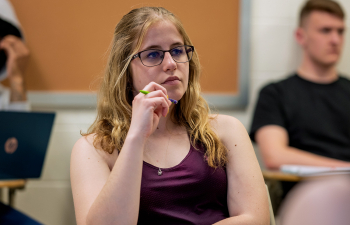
280,176
277,175
12,183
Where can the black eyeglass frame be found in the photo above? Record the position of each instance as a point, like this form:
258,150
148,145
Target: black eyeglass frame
137,55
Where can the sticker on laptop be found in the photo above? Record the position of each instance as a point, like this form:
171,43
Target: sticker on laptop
11,145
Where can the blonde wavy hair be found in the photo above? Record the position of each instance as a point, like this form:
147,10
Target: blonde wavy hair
116,92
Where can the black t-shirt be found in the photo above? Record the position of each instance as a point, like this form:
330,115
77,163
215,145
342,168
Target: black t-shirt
316,116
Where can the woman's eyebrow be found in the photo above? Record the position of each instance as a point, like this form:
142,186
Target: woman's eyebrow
153,47
176,44
159,47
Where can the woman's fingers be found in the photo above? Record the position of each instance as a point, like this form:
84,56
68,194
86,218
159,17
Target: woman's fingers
148,108
161,107
159,91
157,100
153,86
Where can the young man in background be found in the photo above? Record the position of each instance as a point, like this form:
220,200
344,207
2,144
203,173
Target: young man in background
305,118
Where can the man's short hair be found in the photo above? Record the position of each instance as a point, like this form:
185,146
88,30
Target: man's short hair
328,6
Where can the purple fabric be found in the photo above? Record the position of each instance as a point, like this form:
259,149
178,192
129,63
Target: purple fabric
189,193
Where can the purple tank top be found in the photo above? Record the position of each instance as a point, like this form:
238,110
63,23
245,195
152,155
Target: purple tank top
190,193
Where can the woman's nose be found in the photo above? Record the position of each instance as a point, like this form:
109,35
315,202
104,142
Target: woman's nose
168,62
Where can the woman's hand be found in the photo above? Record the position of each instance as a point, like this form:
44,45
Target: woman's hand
147,110
17,57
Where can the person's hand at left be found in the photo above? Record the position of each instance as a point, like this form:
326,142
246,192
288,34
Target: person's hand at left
17,56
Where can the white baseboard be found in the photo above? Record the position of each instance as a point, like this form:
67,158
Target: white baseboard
41,99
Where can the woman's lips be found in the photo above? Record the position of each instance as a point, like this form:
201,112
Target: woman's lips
171,82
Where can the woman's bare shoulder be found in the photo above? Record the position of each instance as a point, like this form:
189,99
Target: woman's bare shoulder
85,147
224,124
84,142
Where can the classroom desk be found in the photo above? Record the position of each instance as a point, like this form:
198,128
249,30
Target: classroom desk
280,176
272,179
12,185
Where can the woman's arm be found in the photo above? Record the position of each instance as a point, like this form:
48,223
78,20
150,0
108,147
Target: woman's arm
102,196
247,196
112,196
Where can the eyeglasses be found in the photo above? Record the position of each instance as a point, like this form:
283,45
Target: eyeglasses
154,57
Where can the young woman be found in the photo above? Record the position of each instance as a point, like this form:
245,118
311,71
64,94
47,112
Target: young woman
146,160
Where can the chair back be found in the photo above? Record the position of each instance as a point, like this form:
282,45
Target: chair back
272,216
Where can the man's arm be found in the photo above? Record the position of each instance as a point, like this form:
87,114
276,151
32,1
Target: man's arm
318,202
273,144
17,57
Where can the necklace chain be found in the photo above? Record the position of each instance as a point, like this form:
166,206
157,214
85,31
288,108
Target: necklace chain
160,172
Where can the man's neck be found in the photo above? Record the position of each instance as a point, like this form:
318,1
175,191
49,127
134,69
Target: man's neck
317,73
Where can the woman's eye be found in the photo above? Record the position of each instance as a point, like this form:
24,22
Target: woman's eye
176,51
153,55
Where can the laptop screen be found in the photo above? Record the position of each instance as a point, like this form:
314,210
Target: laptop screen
24,138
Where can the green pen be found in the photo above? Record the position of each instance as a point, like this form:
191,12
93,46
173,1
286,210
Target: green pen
147,92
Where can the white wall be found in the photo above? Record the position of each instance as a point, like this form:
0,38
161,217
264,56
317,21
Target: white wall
274,55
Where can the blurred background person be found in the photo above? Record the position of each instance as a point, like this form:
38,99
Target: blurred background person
320,202
13,59
305,118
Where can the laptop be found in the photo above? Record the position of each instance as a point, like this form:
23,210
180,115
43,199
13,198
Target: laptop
24,137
